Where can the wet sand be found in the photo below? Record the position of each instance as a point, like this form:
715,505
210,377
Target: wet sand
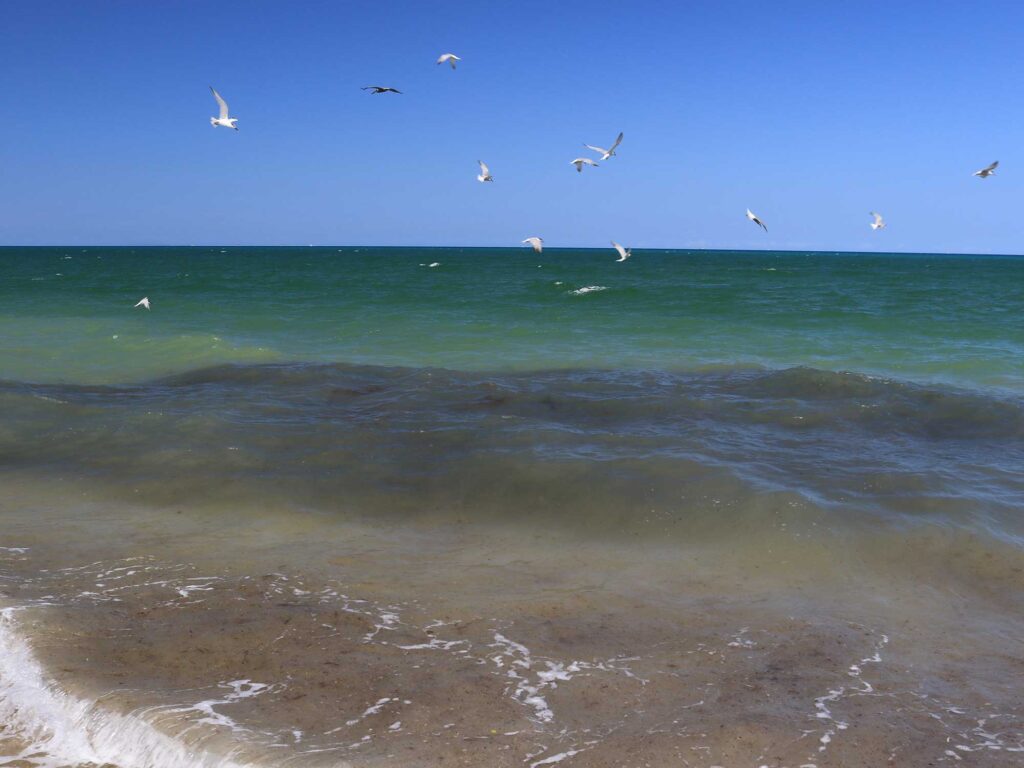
280,637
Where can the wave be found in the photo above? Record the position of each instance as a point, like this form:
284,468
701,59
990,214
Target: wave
50,727
824,397
593,448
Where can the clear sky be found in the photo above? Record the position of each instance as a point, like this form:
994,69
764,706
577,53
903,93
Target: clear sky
810,113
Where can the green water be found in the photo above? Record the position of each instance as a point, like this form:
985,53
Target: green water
67,312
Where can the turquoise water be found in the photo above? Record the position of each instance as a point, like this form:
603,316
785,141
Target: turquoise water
784,488
67,312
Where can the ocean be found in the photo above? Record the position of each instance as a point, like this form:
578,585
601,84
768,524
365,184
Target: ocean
466,506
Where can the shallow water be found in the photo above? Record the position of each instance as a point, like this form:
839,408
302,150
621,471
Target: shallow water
952,319
334,508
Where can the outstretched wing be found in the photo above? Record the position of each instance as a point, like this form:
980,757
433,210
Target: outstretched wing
484,170
618,141
620,249
223,104
992,167
596,149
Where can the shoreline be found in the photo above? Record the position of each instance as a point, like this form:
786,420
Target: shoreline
548,639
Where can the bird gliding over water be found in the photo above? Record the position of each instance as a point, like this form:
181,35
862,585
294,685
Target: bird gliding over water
223,120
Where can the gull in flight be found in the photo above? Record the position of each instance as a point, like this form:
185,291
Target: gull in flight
143,302
379,89
606,153
624,253
579,162
879,222
485,172
756,220
224,120
451,58
987,171
536,242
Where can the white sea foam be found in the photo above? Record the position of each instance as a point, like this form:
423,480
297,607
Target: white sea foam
588,289
59,729
556,758
240,689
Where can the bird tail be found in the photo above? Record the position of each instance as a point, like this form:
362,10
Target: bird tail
213,121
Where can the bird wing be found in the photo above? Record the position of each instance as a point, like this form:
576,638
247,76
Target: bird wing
993,166
596,149
878,217
618,141
223,104
620,249
483,168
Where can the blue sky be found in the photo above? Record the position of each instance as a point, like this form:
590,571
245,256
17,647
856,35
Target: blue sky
809,113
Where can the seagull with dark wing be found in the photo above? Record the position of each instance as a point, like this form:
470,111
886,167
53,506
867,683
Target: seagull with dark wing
579,162
606,153
223,120
379,89
537,243
984,173
485,172
451,58
624,253
756,220
879,222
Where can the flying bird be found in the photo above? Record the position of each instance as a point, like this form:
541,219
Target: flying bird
624,253
984,173
606,153
224,120
451,58
536,242
756,220
379,89
579,162
485,173
143,302
879,222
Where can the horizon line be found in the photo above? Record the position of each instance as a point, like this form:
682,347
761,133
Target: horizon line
527,249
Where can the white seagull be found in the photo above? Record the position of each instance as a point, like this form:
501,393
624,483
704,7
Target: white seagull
606,153
536,242
756,220
143,302
224,120
579,162
624,253
879,222
451,58
485,173
984,173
